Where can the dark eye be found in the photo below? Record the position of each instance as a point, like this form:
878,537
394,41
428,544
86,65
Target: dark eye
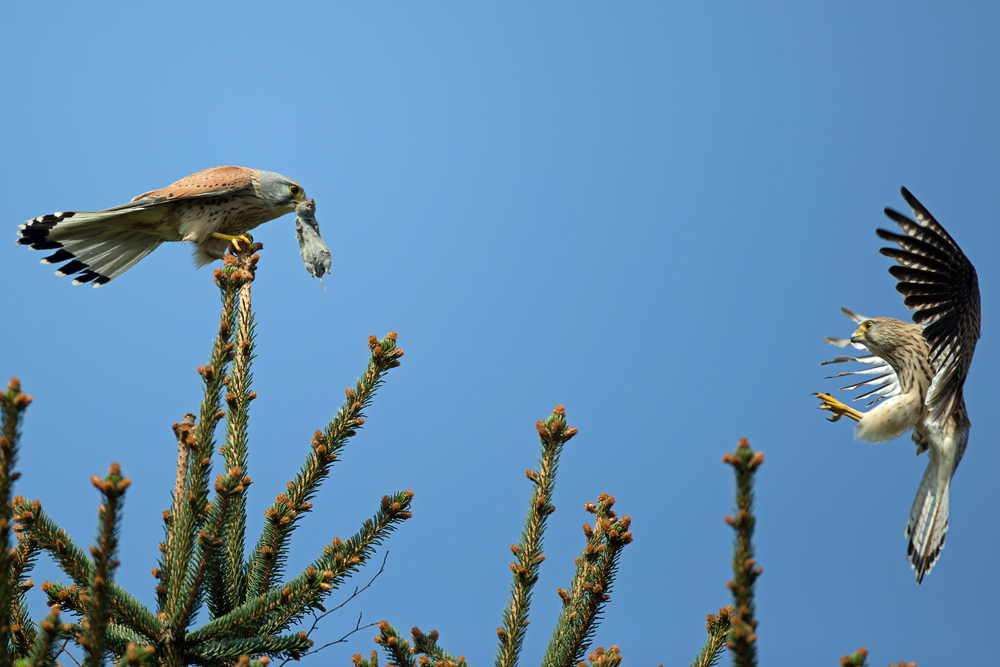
295,190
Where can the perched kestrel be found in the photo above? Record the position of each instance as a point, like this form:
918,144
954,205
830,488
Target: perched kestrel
919,368
315,253
210,209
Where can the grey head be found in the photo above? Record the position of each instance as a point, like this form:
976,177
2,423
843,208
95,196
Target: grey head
280,193
896,341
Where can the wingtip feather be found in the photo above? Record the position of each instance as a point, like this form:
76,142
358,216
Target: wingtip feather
851,315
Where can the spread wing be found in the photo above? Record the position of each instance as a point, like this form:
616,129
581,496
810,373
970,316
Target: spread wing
938,282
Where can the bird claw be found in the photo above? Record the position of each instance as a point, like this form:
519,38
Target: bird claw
837,408
235,241
242,238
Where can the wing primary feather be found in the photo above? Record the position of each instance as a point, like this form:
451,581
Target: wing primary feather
911,275
914,260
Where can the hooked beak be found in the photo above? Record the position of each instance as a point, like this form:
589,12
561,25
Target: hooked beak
858,336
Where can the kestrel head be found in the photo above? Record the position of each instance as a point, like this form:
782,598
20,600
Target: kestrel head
890,339
280,193
876,334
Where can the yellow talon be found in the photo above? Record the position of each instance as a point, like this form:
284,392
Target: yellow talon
235,241
837,408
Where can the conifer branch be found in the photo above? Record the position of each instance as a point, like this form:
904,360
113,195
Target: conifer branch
718,632
857,659
183,431
344,557
266,563
591,586
118,639
337,562
601,658
397,648
860,659
68,599
204,542
359,661
127,610
13,402
235,452
428,646
743,634
277,609
553,434
317,617
94,625
193,509
45,644
22,628
137,655
296,593
226,487
230,650
186,444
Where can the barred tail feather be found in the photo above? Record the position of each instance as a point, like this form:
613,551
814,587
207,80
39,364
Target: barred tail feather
124,254
56,227
95,252
928,522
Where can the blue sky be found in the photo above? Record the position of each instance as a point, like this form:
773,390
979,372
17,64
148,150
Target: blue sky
648,212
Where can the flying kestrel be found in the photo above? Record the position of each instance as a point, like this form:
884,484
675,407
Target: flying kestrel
211,209
919,369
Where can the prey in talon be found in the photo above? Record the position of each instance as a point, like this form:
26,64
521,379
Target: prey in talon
916,371
315,253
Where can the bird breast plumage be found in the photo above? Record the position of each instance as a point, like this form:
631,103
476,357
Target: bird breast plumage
232,213
892,417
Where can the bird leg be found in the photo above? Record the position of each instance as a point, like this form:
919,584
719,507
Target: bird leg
234,241
837,408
